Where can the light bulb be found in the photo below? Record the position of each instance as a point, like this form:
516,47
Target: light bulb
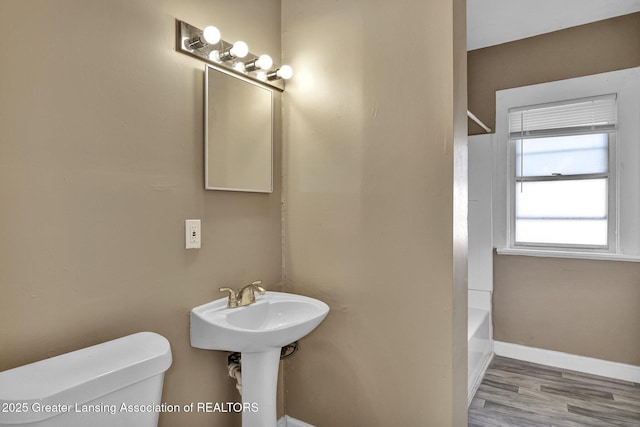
239,66
214,55
239,49
262,76
264,62
285,72
211,35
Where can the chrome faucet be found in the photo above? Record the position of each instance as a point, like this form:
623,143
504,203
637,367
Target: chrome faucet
244,296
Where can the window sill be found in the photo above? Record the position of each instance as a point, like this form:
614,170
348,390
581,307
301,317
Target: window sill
567,254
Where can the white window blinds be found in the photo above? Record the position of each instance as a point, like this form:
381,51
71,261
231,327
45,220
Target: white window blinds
586,115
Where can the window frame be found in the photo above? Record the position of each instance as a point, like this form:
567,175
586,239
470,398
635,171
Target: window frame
625,157
612,201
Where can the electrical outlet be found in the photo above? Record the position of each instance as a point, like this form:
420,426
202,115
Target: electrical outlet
192,236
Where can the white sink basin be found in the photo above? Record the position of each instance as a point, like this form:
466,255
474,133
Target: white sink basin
273,321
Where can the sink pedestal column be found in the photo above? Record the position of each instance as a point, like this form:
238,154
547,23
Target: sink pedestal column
259,386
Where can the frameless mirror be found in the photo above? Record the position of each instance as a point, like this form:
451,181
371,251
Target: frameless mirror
238,133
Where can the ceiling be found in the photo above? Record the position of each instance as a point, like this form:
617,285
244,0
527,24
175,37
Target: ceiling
491,22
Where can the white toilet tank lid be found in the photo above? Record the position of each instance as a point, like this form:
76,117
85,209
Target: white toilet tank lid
83,375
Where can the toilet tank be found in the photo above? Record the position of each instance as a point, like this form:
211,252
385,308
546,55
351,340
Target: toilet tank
118,382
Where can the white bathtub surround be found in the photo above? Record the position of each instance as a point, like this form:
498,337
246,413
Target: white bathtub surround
480,348
589,365
480,340
479,299
481,212
480,259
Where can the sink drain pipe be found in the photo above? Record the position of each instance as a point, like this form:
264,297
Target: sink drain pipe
234,363
235,372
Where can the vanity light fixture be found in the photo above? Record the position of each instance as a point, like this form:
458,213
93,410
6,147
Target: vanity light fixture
233,58
209,36
285,73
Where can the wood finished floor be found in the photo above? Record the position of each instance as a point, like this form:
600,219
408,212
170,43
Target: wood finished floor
522,394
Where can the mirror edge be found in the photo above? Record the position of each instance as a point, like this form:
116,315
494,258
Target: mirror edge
206,129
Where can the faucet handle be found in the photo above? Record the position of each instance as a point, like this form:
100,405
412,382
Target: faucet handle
259,288
232,301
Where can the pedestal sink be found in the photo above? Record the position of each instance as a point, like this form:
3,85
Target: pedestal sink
258,331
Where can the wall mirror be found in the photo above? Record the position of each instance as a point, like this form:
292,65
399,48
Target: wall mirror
238,133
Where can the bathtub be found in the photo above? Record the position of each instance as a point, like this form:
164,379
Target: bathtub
480,340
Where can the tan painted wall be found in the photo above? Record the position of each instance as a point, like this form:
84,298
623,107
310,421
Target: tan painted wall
101,161
608,45
590,308
370,214
582,307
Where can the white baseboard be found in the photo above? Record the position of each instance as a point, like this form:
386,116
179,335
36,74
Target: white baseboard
572,362
288,421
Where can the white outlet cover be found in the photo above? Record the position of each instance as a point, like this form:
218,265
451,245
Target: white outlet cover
192,234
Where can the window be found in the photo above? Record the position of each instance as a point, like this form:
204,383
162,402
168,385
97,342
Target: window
562,183
566,168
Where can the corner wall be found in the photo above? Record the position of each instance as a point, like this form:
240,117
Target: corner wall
375,149
101,161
